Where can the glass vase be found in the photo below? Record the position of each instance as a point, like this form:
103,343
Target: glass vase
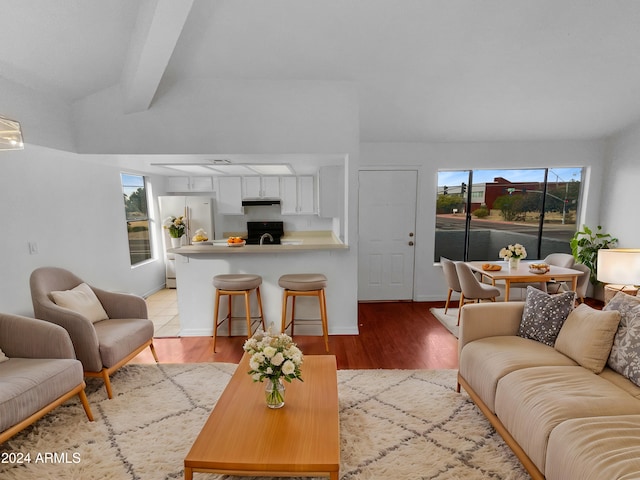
274,393
514,263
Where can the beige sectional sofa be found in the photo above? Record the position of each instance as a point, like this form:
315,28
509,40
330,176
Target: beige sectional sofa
562,409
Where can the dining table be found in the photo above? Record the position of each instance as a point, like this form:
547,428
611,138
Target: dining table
522,274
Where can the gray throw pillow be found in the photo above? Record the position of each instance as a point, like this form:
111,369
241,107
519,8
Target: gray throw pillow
625,353
544,315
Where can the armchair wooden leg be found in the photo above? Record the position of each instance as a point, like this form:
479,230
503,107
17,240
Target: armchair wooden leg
85,404
153,352
107,382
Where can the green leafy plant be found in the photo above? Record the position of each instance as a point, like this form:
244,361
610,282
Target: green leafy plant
585,245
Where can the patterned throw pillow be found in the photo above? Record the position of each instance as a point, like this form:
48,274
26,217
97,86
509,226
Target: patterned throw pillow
544,315
625,353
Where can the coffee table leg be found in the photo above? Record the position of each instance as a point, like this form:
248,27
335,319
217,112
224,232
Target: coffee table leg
188,473
333,475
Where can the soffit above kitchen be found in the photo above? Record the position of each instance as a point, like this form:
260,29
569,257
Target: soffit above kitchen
221,165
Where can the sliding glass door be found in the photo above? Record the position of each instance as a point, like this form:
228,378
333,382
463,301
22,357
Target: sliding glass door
480,211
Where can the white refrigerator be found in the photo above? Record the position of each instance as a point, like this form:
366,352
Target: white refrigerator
198,213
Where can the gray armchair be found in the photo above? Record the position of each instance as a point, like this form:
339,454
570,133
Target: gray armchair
105,345
40,374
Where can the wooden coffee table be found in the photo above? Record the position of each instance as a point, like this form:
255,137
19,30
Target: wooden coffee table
244,437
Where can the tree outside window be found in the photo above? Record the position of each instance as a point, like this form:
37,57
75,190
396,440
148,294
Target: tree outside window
480,211
137,217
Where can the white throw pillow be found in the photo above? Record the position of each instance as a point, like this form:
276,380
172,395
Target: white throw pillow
3,357
82,300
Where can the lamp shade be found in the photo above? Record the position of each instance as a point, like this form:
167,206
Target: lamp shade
619,265
10,135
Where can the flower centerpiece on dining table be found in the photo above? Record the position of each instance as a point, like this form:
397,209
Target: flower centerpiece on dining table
513,254
274,358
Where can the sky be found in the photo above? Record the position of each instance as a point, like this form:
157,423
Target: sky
513,175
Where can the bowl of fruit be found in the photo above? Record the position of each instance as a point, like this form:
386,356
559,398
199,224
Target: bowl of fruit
539,268
236,242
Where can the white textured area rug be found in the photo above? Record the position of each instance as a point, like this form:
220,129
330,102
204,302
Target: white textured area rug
394,424
450,320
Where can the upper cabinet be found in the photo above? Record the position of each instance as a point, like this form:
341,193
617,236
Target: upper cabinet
261,187
229,201
298,195
189,184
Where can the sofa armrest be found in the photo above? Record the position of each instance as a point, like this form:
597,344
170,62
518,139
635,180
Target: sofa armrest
122,305
481,320
23,337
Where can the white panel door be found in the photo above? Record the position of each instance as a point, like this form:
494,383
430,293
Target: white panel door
386,226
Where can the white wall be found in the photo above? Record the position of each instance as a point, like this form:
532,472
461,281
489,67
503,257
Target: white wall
619,211
73,210
44,121
55,195
428,158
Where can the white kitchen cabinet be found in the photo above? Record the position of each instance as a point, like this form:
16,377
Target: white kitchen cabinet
331,191
189,184
229,198
261,187
297,195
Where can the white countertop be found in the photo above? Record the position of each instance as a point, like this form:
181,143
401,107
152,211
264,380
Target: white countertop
291,242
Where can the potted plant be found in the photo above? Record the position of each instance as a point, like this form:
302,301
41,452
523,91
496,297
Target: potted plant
585,245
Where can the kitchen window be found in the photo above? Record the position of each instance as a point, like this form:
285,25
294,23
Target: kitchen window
137,217
480,211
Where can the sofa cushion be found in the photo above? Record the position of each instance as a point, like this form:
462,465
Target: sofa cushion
594,449
119,337
587,336
29,384
531,402
625,352
544,315
82,300
485,361
620,381
3,357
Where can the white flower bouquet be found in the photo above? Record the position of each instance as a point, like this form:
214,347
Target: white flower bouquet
273,357
175,225
513,251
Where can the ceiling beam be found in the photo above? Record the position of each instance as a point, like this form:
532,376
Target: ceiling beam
157,30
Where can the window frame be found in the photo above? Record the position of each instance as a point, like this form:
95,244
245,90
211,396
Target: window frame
148,250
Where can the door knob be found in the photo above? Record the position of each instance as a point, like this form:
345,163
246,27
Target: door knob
411,234
411,244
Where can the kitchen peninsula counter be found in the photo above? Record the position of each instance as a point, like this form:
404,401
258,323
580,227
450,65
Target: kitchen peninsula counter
300,252
291,242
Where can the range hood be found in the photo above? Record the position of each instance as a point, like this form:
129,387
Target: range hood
257,202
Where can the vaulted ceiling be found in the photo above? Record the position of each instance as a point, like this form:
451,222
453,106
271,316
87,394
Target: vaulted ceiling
425,70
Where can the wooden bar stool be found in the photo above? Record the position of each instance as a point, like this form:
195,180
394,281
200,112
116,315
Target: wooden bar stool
307,285
236,284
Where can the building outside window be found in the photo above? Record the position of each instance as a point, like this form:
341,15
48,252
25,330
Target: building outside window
137,217
480,211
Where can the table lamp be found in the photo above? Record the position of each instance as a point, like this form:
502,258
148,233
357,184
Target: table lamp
620,266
